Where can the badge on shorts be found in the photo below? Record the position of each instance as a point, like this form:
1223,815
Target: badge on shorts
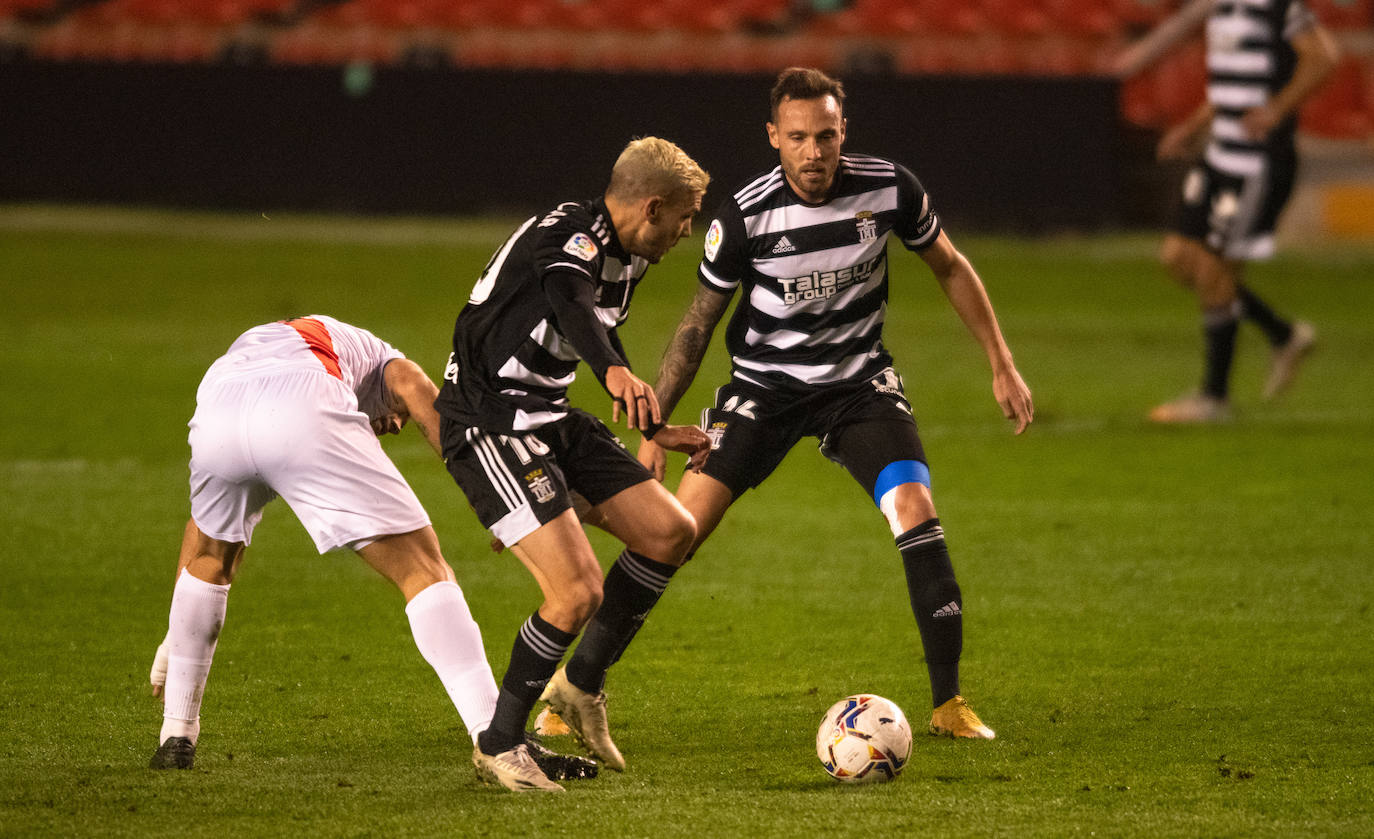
715,235
716,431
541,485
581,246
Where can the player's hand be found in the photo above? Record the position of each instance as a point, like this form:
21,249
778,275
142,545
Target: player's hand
687,439
633,394
654,458
1014,397
390,424
158,675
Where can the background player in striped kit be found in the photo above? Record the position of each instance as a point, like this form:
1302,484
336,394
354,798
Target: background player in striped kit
551,297
294,408
1264,59
806,245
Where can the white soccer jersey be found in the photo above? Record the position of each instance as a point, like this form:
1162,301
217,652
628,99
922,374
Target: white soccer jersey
287,411
349,353
814,277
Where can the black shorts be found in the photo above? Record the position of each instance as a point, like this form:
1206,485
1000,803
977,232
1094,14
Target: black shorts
864,426
519,482
1235,215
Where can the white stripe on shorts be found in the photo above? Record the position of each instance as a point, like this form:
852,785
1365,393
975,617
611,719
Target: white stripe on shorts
501,478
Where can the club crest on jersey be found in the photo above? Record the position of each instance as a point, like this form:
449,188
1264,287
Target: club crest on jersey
581,246
715,235
541,485
866,225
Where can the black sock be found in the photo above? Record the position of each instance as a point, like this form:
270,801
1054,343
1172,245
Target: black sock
1275,328
538,648
1219,327
632,587
937,604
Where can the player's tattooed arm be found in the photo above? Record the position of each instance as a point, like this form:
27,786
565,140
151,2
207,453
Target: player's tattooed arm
683,357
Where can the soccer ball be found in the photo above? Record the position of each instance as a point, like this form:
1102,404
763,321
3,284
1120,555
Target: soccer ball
863,738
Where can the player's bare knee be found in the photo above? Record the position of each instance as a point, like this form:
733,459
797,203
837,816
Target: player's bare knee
577,603
673,537
682,534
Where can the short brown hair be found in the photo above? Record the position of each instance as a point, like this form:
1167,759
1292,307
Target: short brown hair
803,83
650,166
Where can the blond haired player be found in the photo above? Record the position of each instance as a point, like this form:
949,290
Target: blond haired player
552,297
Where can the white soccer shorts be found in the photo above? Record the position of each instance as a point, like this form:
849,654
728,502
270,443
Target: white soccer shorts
297,434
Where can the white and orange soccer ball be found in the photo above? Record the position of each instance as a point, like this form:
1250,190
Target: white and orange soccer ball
863,738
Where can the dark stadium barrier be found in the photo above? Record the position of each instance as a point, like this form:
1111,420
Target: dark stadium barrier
997,153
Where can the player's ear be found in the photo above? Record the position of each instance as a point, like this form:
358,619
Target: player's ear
652,208
844,123
773,135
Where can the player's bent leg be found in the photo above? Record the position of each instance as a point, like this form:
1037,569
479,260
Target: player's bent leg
907,505
657,531
440,621
1179,255
650,521
562,562
210,559
706,499
193,628
411,561
1216,283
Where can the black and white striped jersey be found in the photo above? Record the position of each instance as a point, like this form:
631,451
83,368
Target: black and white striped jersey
814,277
512,360
1249,58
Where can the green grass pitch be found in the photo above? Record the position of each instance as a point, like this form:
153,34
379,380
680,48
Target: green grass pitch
1169,629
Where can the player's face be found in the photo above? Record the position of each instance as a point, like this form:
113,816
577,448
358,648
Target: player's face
668,223
808,135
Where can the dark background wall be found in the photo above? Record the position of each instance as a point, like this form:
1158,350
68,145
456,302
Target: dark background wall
1019,154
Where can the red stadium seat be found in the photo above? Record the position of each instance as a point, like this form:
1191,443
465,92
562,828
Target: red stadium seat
1341,109
960,18
1017,17
1181,83
1142,13
1344,14
1098,18
11,8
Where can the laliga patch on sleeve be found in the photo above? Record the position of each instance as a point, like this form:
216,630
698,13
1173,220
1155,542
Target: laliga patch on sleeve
715,235
581,246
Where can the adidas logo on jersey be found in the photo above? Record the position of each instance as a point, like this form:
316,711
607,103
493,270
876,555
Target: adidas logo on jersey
948,610
784,245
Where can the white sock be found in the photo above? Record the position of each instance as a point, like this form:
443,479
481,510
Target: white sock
193,627
451,642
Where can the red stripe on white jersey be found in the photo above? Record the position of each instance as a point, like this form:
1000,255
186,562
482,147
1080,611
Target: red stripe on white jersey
317,337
